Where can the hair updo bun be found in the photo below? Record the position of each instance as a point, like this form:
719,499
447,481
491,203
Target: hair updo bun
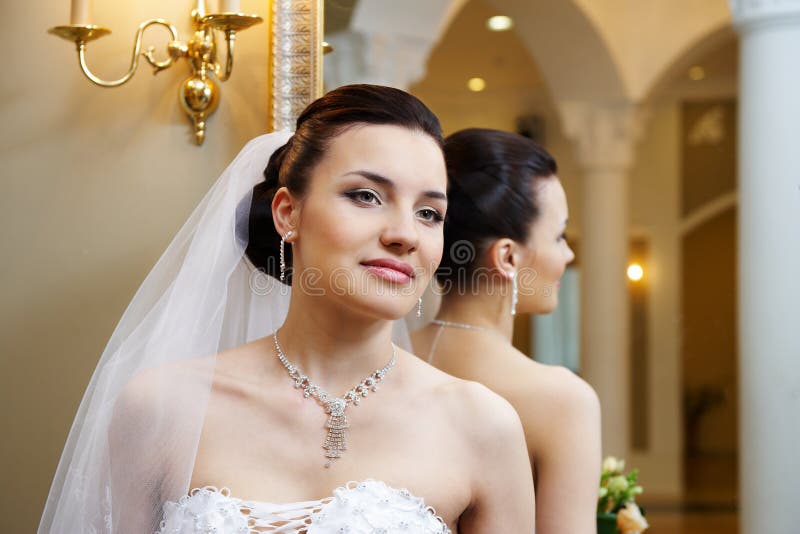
492,177
317,125
263,245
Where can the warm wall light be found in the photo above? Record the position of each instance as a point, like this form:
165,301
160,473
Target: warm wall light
635,272
476,84
697,73
499,23
199,93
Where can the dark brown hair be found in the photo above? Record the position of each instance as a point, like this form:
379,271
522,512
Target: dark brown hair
317,125
492,177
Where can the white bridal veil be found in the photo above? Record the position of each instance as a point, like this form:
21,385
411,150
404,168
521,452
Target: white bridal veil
133,443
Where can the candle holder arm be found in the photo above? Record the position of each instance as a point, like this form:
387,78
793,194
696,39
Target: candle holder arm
137,46
228,24
224,74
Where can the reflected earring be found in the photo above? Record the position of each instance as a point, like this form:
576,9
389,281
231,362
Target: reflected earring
283,260
514,296
419,307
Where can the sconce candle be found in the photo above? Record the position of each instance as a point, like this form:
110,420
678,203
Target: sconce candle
229,6
80,12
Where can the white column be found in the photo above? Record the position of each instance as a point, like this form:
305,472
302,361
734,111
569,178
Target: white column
388,42
769,265
605,137
380,59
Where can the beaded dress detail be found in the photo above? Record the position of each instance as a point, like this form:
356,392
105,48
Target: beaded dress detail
369,507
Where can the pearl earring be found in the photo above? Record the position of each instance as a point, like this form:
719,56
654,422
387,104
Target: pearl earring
419,307
283,260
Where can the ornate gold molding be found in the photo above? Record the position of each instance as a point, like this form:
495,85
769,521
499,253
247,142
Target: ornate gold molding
295,73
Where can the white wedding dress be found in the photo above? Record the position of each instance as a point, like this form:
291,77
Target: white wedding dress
369,507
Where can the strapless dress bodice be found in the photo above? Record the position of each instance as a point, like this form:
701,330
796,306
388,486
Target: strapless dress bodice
368,507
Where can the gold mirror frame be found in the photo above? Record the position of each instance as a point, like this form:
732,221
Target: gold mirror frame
295,67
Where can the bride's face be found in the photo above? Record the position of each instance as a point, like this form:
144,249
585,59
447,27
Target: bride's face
370,228
547,254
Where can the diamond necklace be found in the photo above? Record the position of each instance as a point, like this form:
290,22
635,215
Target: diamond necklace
458,325
336,439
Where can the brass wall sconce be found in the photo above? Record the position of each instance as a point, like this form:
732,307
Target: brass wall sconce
199,93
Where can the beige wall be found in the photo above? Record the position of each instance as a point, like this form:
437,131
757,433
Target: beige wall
95,182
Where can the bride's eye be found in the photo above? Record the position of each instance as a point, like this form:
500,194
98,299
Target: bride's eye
366,196
431,215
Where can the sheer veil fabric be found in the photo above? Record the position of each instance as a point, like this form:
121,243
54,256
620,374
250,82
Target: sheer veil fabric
133,443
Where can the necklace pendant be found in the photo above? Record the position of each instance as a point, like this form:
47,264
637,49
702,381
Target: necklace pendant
336,439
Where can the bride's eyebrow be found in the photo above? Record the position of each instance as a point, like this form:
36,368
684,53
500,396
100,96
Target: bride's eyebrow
389,184
377,178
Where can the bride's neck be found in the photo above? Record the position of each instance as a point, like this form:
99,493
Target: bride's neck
486,311
334,348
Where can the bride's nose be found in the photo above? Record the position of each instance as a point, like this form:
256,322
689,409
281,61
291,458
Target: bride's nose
400,232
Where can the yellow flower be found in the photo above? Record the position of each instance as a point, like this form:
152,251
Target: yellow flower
630,520
613,465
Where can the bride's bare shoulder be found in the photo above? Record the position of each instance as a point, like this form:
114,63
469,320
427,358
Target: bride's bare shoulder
484,422
468,406
547,395
558,387
173,383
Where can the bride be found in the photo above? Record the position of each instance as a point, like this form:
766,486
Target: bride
253,384
505,235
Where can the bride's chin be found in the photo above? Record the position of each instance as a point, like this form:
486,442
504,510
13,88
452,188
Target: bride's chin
383,308
544,308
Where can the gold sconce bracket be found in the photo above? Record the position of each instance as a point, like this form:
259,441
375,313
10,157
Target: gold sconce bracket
199,93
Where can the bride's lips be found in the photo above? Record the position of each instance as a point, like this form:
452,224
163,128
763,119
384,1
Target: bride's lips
389,269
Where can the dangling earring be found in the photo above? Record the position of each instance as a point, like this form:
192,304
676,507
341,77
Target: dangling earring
513,293
283,260
419,307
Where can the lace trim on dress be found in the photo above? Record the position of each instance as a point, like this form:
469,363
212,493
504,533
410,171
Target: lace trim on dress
369,506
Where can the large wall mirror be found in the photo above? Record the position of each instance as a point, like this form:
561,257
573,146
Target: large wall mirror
682,412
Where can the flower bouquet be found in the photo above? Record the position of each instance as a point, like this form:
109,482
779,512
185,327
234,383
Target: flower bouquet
617,512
